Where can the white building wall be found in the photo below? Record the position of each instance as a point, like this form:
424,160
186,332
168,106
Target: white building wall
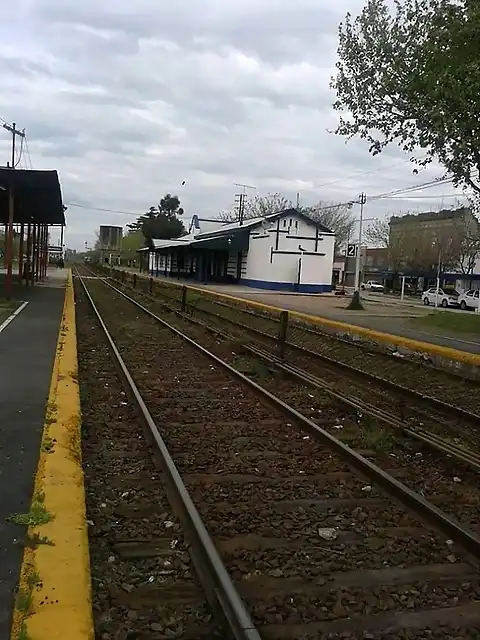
273,266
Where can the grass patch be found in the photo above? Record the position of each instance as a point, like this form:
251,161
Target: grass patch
450,322
48,445
37,515
23,634
37,540
376,436
50,413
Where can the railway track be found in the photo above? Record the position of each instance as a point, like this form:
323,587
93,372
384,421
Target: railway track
364,356
314,549
358,423
144,574
447,428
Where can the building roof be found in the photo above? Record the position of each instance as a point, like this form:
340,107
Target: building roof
432,216
38,197
228,228
204,225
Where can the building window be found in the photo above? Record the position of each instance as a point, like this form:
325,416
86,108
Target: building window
296,224
284,223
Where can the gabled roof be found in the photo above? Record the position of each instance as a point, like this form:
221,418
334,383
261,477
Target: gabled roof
253,222
204,225
227,229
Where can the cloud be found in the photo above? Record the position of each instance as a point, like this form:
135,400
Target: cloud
126,100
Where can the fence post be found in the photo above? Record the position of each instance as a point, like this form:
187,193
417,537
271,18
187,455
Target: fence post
184,298
134,280
282,334
150,285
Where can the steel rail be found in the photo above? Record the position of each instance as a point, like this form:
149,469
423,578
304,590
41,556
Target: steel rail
443,445
440,405
440,444
378,380
318,334
460,453
215,579
406,496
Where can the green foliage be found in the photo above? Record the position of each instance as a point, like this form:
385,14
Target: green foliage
413,77
450,323
160,221
131,243
37,515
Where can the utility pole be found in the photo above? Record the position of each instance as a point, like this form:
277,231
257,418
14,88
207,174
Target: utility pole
11,203
242,197
361,201
15,132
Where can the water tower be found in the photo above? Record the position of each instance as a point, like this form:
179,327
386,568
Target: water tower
110,244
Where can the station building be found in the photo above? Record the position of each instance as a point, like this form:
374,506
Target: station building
284,251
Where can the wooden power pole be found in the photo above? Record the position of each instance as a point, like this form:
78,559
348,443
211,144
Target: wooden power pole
11,206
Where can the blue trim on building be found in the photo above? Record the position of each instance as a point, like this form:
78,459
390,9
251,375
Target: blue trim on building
286,286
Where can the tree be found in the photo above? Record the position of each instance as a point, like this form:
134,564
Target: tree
160,221
413,78
259,207
378,233
465,241
339,218
131,243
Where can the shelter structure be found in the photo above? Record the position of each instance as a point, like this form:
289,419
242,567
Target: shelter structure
284,251
30,203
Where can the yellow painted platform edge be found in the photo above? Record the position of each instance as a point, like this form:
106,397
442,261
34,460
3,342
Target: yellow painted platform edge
54,594
388,338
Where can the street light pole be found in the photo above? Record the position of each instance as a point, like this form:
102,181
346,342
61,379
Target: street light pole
439,266
362,200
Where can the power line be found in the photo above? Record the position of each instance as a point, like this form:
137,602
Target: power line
20,153
425,197
30,165
358,175
84,206
413,188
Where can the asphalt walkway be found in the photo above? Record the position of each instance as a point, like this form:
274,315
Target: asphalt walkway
27,352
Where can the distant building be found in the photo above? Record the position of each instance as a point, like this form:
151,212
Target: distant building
373,266
444,241
110,242
284,251
434,223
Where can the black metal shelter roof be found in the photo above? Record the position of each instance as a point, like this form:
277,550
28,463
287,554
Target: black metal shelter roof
37,194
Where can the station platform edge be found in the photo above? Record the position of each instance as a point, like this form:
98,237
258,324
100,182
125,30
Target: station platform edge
398,341
54,592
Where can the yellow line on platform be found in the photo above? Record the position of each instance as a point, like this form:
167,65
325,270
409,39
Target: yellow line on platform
54,595
371,334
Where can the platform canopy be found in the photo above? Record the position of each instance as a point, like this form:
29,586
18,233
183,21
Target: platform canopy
37,196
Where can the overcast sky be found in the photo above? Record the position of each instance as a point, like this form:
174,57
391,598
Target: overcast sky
128,98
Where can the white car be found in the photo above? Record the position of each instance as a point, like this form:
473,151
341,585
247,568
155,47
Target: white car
445,298
371,285
470,299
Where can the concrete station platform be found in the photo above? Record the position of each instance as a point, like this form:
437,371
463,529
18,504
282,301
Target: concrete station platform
29,353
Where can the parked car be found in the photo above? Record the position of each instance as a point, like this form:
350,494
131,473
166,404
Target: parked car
371,285
445,298
470,299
